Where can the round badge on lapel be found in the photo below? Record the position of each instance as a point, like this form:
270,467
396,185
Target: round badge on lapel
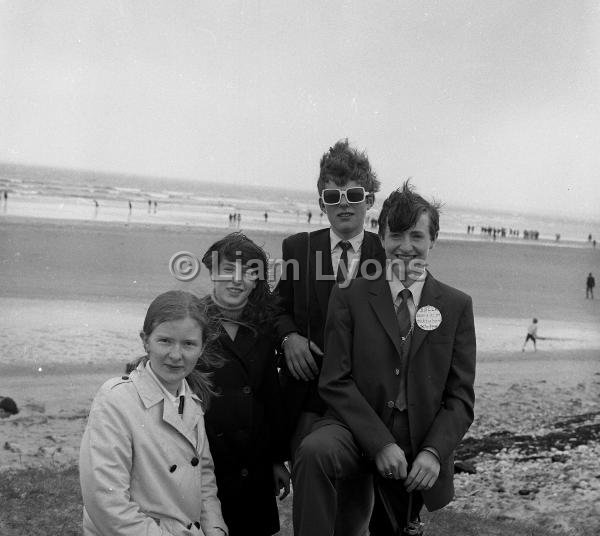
428,318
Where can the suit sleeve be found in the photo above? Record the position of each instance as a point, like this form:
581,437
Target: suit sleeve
284,323
105,463
336,383
456,412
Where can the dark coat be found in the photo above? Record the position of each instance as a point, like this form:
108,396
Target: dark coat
306,313
244,428
359,379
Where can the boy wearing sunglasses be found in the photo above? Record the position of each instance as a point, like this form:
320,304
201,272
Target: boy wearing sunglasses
346,186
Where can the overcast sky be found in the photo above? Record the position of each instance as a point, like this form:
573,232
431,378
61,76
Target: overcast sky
484,103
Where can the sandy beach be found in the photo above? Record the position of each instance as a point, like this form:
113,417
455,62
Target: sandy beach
73,296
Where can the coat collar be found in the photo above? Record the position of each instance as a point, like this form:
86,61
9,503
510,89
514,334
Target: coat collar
245,339
151,394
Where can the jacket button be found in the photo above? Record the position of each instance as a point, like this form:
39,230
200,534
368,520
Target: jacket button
197,524
124,377
195,461
390,404
397,372
244,472
247,389
172,468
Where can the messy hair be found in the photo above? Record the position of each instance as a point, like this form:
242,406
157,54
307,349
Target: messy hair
402,209
342,164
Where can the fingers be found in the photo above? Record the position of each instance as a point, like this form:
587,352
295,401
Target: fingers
421,477
421,481
286,489
299,360
315,348
301,365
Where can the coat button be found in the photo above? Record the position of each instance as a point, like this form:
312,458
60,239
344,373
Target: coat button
124,377
197,524
247,389
397,372
195,461
244,472
390,404
172,468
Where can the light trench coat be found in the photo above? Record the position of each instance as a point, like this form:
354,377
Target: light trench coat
144,469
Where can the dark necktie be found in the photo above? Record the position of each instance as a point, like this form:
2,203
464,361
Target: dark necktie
403,314
181,403
343,272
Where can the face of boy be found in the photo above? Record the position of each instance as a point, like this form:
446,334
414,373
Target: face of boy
173,349
408,250
346,219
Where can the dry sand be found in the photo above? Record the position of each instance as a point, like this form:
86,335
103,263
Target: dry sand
73,297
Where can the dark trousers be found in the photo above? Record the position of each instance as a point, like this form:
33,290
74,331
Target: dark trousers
391,498
333,490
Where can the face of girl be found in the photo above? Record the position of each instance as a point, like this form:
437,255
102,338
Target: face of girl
173,349
234,283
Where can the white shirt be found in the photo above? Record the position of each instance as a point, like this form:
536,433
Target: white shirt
353,252
416,289
174,399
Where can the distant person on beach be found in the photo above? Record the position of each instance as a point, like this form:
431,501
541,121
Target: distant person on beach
398,378
245,423
590,283
531,334
130,206
266,217
149,206
145,464
346,185
155,206
308,216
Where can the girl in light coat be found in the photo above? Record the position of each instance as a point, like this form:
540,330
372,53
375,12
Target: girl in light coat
145,464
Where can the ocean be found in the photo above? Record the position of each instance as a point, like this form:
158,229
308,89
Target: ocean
44,192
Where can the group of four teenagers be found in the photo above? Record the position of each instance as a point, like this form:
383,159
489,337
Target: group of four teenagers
194,439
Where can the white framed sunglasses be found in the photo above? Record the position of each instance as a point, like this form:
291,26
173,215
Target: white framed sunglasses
333,196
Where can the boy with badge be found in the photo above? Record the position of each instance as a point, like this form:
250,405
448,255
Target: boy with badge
398,379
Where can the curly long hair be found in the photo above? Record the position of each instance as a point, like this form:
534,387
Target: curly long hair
262,307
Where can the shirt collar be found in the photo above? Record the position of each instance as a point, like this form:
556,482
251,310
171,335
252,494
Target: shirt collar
416,289
355,241
180,391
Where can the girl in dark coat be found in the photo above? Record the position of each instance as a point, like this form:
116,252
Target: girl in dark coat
244,422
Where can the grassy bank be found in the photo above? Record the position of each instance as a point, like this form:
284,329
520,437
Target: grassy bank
47,502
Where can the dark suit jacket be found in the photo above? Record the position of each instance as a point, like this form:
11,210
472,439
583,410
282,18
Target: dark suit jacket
305,309
359,384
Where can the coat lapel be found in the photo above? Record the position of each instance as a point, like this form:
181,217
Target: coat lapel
381,301
151,394
321,269
245,340
429,296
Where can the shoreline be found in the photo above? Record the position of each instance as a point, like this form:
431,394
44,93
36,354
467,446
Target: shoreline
283,231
